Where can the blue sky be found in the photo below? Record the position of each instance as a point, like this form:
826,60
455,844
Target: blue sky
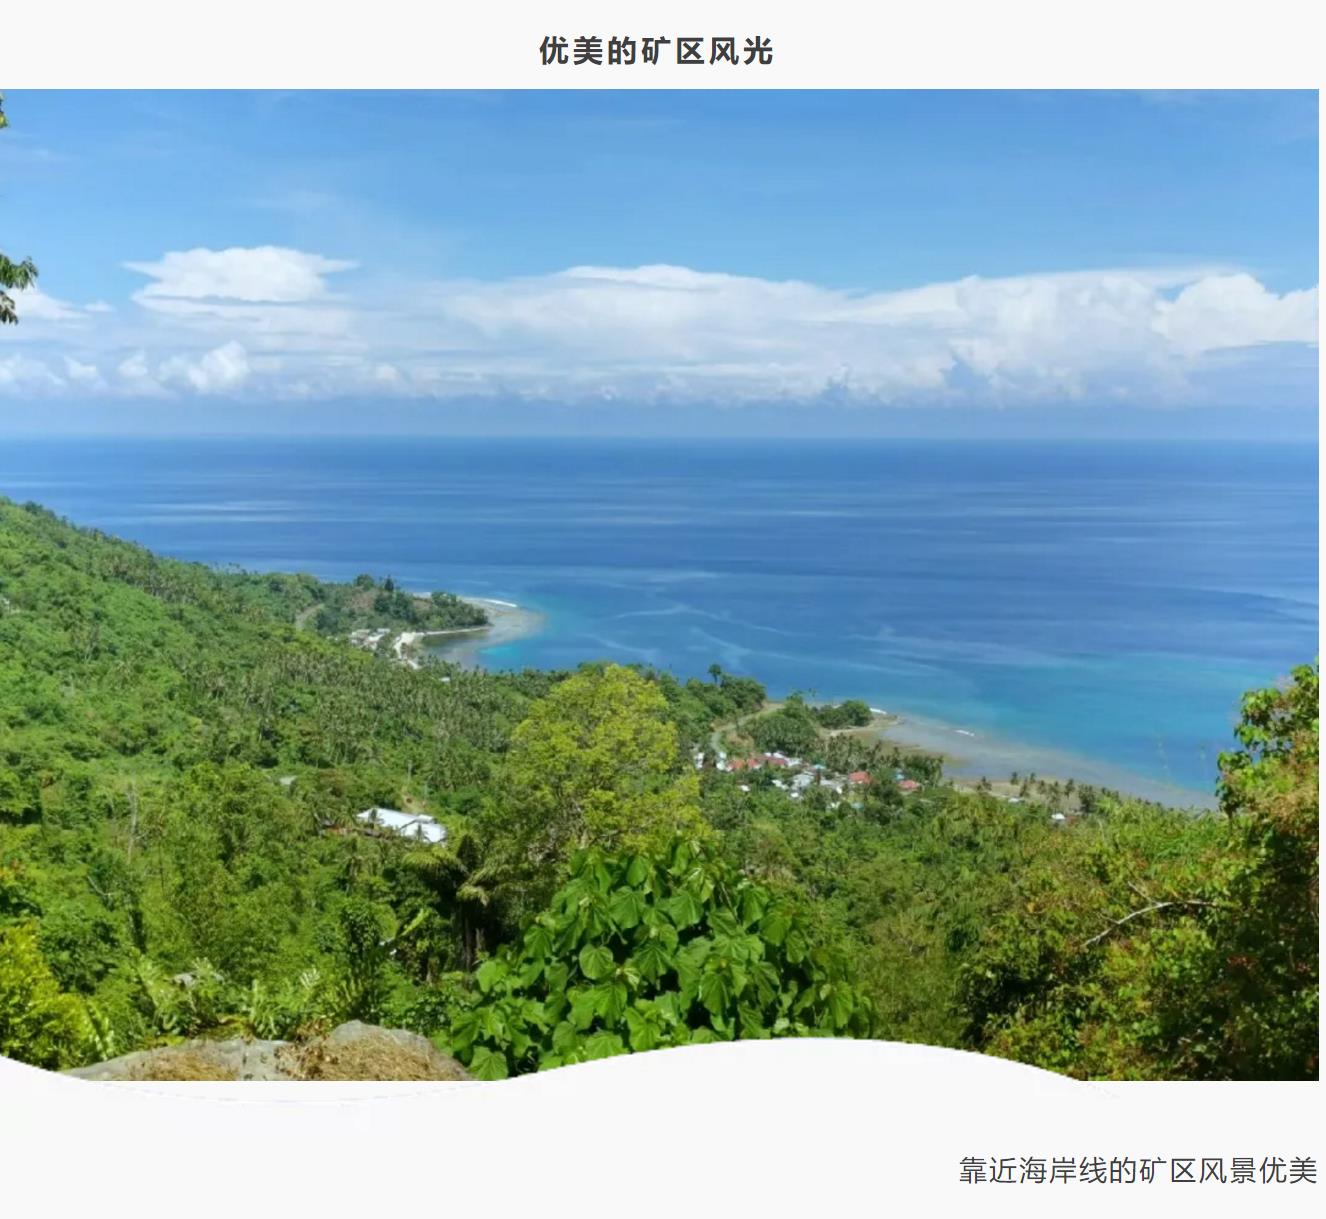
837,261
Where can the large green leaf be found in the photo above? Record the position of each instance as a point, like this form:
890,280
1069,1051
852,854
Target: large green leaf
652,960
488,1064
584,1007
565,1037
684,908
610,999
557,976
627,908
775,926
490,973
538,941
602,1045
596,961
754,901
752,1021
841,1004
642,1030
716,990
656,927
690,960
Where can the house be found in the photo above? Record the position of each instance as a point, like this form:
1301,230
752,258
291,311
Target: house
859,776
407,825
907,786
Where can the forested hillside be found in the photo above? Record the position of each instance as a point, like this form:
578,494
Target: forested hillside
182,762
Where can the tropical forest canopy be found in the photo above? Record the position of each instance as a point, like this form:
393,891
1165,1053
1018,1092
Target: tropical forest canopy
184,752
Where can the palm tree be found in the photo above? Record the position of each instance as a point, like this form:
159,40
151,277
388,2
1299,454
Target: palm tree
460,883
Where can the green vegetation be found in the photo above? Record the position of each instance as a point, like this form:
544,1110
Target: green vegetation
852,713
183,756
19,275
1192,944
593,764
794,728
642,952
365,604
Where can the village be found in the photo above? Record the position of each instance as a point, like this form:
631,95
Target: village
797,775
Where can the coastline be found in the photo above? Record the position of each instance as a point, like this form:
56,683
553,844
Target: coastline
970,756
974,759
463,646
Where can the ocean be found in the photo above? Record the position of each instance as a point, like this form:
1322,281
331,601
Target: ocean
1084,608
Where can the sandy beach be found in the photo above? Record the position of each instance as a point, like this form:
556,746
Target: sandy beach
507,622
971,755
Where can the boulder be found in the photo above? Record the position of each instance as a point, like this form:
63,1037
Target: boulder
365,1051
350,1051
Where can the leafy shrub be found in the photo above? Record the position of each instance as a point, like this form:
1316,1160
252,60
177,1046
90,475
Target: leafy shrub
39,1023
792,729
850,714
638,952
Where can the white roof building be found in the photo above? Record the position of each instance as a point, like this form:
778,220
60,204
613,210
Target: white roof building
408,825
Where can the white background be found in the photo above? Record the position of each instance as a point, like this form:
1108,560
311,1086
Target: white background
792,1127
349,44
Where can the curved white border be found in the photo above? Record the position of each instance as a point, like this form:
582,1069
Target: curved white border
792,1127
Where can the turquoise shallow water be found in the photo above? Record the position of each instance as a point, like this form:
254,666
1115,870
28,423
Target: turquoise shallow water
1098,604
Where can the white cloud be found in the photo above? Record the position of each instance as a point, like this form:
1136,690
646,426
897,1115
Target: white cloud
25,373
260,273
694,333
134,367
35,305
88,375
1236,311
223,368
263,321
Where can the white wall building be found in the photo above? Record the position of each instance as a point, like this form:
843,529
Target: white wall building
408,825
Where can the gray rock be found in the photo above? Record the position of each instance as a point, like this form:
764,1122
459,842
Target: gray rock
350,1051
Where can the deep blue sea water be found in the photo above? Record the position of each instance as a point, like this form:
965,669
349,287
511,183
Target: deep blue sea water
1093,608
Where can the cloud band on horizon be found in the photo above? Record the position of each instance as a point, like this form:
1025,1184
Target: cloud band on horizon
284,324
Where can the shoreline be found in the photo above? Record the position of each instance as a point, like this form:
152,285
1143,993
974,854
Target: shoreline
970,756
507,623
